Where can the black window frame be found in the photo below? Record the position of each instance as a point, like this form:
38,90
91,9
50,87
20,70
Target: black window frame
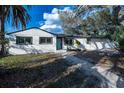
46,40
24,40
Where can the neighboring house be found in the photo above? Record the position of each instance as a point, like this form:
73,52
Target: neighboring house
35,40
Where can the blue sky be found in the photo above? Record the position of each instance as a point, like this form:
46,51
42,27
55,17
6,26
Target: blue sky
43,16
36,13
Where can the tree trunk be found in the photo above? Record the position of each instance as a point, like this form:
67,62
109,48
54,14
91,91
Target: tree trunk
2,36
2,39
116,10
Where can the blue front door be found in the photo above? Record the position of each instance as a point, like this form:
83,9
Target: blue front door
59,43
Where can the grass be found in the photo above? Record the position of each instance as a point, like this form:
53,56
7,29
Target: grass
45,70
14,61
42,70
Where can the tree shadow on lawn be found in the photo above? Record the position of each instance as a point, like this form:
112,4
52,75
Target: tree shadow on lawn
30,77
39,61
91,56
56,74
77,79
73,80
97,57
118,69
116,62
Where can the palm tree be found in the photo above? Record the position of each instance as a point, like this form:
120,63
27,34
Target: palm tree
17,15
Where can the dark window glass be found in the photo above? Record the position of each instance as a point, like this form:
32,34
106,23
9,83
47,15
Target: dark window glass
45,40
49,40
42,40
23,40
28,40
68,41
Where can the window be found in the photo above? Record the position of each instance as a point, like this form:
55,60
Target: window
42,40
45,40
68,41
49,40
23,40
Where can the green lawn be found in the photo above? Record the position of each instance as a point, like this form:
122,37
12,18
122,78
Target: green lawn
17,60
41,70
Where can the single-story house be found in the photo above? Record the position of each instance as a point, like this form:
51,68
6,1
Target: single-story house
36,40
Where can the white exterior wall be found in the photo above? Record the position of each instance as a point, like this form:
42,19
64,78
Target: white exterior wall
35,47
14,49
94,44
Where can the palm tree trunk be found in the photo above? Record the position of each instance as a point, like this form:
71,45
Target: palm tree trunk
2,36
0,26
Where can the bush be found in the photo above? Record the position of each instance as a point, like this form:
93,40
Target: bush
119,38
77,42
121,44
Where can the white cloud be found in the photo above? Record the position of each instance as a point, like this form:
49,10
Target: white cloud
55,10
52,21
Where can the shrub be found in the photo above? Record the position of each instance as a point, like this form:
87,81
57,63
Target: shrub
119,38
121,44
77,42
